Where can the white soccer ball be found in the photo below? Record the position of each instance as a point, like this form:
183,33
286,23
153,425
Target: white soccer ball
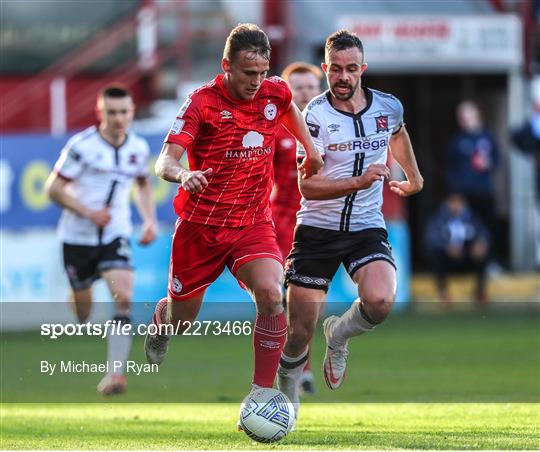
267,415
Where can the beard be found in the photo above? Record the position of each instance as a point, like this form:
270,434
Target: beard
344,96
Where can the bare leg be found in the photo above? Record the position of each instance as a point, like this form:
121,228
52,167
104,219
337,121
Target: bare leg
82,303
169,317
305,306
377,289
183,313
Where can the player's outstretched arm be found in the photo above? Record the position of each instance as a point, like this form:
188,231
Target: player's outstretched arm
55,187
146,207
320,187
294,121
169,168
401,148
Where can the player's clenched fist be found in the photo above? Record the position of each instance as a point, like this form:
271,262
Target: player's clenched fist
195,181
311,165
373,173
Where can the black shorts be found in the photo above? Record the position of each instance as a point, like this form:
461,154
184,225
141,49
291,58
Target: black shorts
84,264
317,254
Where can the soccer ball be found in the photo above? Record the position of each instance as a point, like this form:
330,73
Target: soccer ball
266,415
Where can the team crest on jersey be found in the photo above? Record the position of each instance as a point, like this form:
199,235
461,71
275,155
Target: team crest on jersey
381,122
176,285
133,159
270,112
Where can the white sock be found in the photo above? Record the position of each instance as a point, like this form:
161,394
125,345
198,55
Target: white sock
290,372
351,323
307,375
118,346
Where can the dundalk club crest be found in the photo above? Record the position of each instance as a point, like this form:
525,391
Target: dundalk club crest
381,123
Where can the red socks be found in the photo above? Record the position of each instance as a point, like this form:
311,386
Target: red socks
269,339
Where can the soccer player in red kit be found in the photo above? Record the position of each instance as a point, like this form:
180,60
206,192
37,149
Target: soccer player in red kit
304,79
228,128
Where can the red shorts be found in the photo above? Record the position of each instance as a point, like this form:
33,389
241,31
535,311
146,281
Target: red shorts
199,253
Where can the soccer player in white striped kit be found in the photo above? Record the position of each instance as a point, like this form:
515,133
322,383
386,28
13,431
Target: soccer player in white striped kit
92,182
340,220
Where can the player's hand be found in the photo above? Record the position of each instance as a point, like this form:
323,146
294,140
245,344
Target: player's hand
148,232
404,188
374,172
311,165
195,181
99,217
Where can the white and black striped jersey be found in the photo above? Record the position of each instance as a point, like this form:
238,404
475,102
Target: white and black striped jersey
350,143
101,175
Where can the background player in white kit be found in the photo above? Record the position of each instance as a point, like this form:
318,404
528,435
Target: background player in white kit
92,181
340,220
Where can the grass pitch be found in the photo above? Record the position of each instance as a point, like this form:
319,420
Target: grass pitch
421,381
321,426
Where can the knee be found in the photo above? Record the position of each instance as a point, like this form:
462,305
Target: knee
122,300
268,297
378,303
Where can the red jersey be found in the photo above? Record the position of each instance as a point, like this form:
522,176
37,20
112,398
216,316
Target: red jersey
236,139
286,196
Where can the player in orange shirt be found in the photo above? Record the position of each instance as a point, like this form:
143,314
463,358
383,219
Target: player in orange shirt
304,80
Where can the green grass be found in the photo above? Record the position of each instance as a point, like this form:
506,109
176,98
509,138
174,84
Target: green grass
420,381
321,426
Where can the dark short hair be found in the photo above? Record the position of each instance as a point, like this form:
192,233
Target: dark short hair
341,40
247,37
116,91
299,67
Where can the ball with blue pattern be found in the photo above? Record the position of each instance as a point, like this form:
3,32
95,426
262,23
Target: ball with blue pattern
267,415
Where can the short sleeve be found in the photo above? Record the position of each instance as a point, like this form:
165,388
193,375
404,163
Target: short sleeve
287,97
70,163
188,122
398,112
315,130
